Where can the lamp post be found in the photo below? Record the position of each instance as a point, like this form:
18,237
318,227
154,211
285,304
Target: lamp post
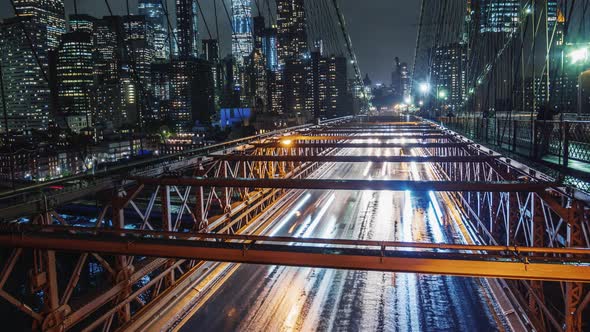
424,90
579,57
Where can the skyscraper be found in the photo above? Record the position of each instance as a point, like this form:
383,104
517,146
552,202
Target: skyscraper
192,94
26,44
136,27
328,85
242,42
49,14
75,75
499,16
186,22
140,52
155,15
258,34
210,52
269,49
82,22
161,76
25,86
297,98
449,73
291,29
400,80
108,62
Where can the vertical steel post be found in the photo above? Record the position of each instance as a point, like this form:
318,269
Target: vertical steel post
574,290
538,240
51,290
122,268
514,135
566,142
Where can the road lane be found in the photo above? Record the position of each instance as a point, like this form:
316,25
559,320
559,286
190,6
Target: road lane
277,298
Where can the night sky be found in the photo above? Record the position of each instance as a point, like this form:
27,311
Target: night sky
380,29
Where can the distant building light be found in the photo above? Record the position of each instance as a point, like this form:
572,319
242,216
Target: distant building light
424,87
579,55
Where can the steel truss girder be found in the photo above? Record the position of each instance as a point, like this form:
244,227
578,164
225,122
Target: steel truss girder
318,184
359,145
499,217
385,257
376,125
363,137
354,159
376,131
547,219
195,209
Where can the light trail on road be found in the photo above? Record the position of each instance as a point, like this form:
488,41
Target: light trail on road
278,298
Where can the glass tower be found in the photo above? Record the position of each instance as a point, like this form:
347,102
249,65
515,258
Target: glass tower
50,14
499,16
155,15
75,74
242,42
187,32
291,31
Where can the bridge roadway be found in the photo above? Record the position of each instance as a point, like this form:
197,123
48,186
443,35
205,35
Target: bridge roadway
273,298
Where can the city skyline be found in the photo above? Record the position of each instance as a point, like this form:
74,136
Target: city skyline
269,165
393,25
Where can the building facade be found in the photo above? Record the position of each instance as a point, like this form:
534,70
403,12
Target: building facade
50,15
499,16
291,30
449,78
157,23
187,35
26,86
75,74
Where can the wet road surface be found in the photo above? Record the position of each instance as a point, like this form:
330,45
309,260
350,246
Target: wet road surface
277,298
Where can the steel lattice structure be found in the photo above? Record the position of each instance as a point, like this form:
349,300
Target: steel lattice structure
153,229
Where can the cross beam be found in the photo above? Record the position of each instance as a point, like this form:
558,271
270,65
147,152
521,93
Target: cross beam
356,159
327,184
374,131
359,145
387,124
382,130
362,137
323,255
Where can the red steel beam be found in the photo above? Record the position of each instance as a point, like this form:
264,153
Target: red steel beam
376,131
345,184
320,137
389,123
360,145
357,159
382,259
582,254
386,124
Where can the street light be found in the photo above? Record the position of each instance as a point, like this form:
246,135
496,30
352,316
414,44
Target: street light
408,100
424,87
442,94
579,55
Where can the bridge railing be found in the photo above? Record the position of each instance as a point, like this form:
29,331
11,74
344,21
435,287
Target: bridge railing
558,142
